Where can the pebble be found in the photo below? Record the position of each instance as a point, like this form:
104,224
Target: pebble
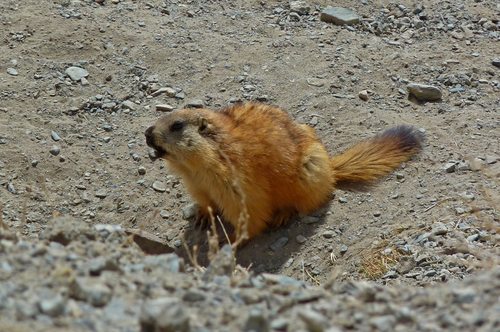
496,62
54,135
315,321
300,239
279,244
328,234
127,104
343,200
309,220
196,104
194,295
12,71
449,167
101,193
90,289
343,249
383,323
76,73
164,214
159,186
490,160
142,170
300,7
363,95
257,321
377,213
54,150
34,163
164,314
164,108
424,92
190,210
339,16
53,306
11,188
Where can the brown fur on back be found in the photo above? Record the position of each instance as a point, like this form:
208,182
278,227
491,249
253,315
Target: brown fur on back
281,166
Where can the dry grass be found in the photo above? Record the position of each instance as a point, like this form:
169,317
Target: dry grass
55,214
375,264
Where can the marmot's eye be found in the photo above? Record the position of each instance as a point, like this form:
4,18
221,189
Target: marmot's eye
177,126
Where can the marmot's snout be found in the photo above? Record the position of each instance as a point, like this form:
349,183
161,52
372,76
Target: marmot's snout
160,152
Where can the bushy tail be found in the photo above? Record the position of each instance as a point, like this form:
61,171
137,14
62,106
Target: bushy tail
372,159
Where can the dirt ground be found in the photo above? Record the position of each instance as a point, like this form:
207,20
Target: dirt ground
221,52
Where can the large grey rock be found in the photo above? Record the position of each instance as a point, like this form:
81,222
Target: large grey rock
76,73
424,92
339,16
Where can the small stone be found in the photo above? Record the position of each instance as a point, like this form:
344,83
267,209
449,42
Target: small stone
439,229
377,213
309,220
279,244
159,186
106,139
496,62
190,210
300,7
424,92
164,108
62,159
141,170
101,193
257,321
315,321
196,104
164,315
464,295
343,249
76,73
339,16
53,306
84,81
315,82
12,71
34,163
363,95
491,160
405,264
449,167
222,265
343,200
328,234
54,150
473,238
194,295
127,104
383,323
430,273
164,214
54,135
301,239
11,188
90,289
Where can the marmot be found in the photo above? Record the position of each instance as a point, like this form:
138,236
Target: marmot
281,166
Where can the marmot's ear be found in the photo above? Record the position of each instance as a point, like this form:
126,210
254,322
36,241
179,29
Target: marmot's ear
203,124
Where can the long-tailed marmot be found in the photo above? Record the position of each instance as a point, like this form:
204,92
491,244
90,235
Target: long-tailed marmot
281,166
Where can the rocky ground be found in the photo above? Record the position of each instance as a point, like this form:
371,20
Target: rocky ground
80,81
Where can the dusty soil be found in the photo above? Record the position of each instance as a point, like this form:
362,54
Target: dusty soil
222,52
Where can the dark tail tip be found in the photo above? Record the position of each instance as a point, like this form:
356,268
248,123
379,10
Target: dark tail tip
408,137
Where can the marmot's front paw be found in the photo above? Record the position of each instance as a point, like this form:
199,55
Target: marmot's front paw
203,217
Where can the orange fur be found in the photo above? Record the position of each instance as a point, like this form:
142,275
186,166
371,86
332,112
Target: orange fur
281,166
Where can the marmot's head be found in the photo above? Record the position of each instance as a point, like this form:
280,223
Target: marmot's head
180,136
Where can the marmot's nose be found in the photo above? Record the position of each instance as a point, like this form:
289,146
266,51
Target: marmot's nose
149,136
